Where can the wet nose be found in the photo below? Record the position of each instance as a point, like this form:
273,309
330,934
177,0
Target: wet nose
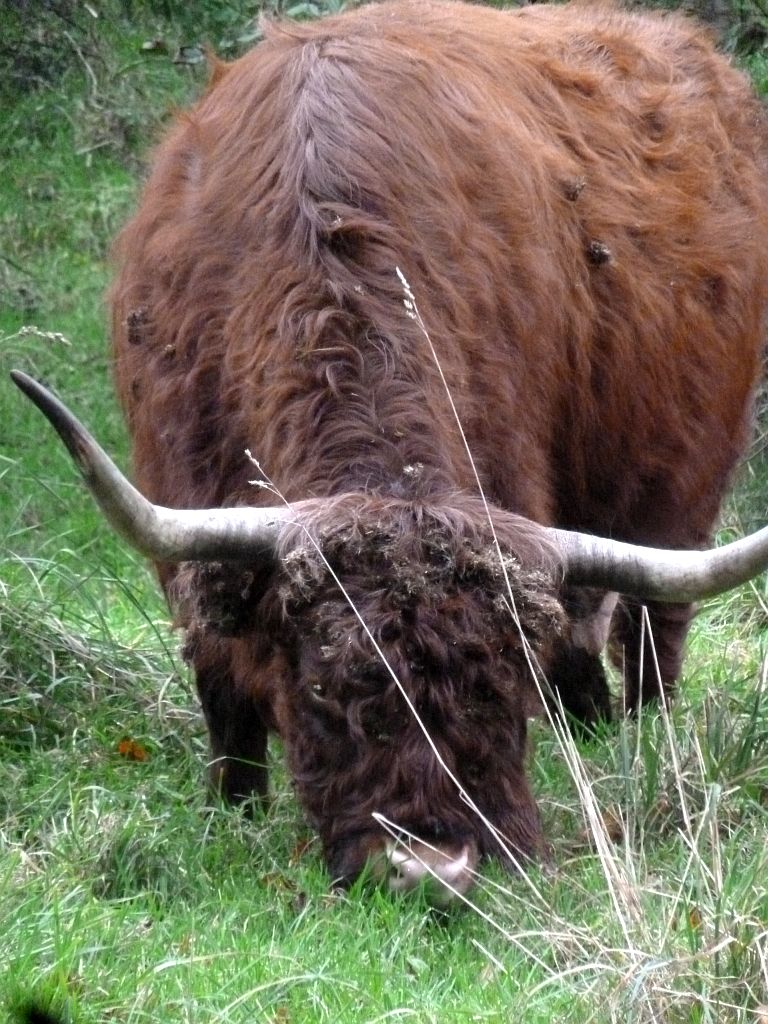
444,872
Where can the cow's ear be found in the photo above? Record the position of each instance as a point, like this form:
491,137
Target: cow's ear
220,596
218,69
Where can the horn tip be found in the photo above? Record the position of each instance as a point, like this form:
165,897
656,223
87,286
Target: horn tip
69,429
20,379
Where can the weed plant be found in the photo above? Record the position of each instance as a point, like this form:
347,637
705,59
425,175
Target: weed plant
126,892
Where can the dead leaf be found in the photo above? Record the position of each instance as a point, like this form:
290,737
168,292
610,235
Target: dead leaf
132,750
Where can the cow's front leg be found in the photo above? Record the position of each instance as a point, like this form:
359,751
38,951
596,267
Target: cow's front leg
237,731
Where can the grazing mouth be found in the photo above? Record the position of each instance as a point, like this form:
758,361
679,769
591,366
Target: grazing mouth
444,871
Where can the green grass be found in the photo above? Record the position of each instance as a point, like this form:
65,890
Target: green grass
126,894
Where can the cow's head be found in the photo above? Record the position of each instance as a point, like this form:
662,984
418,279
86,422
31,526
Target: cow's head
403,642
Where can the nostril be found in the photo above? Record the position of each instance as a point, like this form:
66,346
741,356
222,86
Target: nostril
406,870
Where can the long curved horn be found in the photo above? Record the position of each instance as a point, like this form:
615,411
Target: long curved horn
211,534
162,533
658,573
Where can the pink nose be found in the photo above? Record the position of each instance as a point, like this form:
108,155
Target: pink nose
445,872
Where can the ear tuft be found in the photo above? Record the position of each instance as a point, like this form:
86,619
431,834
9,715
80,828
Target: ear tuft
218,596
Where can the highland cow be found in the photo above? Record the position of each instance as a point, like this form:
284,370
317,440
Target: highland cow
578,198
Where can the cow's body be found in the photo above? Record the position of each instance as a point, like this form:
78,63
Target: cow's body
579,201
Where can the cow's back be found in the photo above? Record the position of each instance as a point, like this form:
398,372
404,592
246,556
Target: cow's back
578,201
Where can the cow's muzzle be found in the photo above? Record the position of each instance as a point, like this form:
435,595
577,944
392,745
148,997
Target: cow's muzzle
443,872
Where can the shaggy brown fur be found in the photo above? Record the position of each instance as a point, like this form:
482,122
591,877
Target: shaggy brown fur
579,200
